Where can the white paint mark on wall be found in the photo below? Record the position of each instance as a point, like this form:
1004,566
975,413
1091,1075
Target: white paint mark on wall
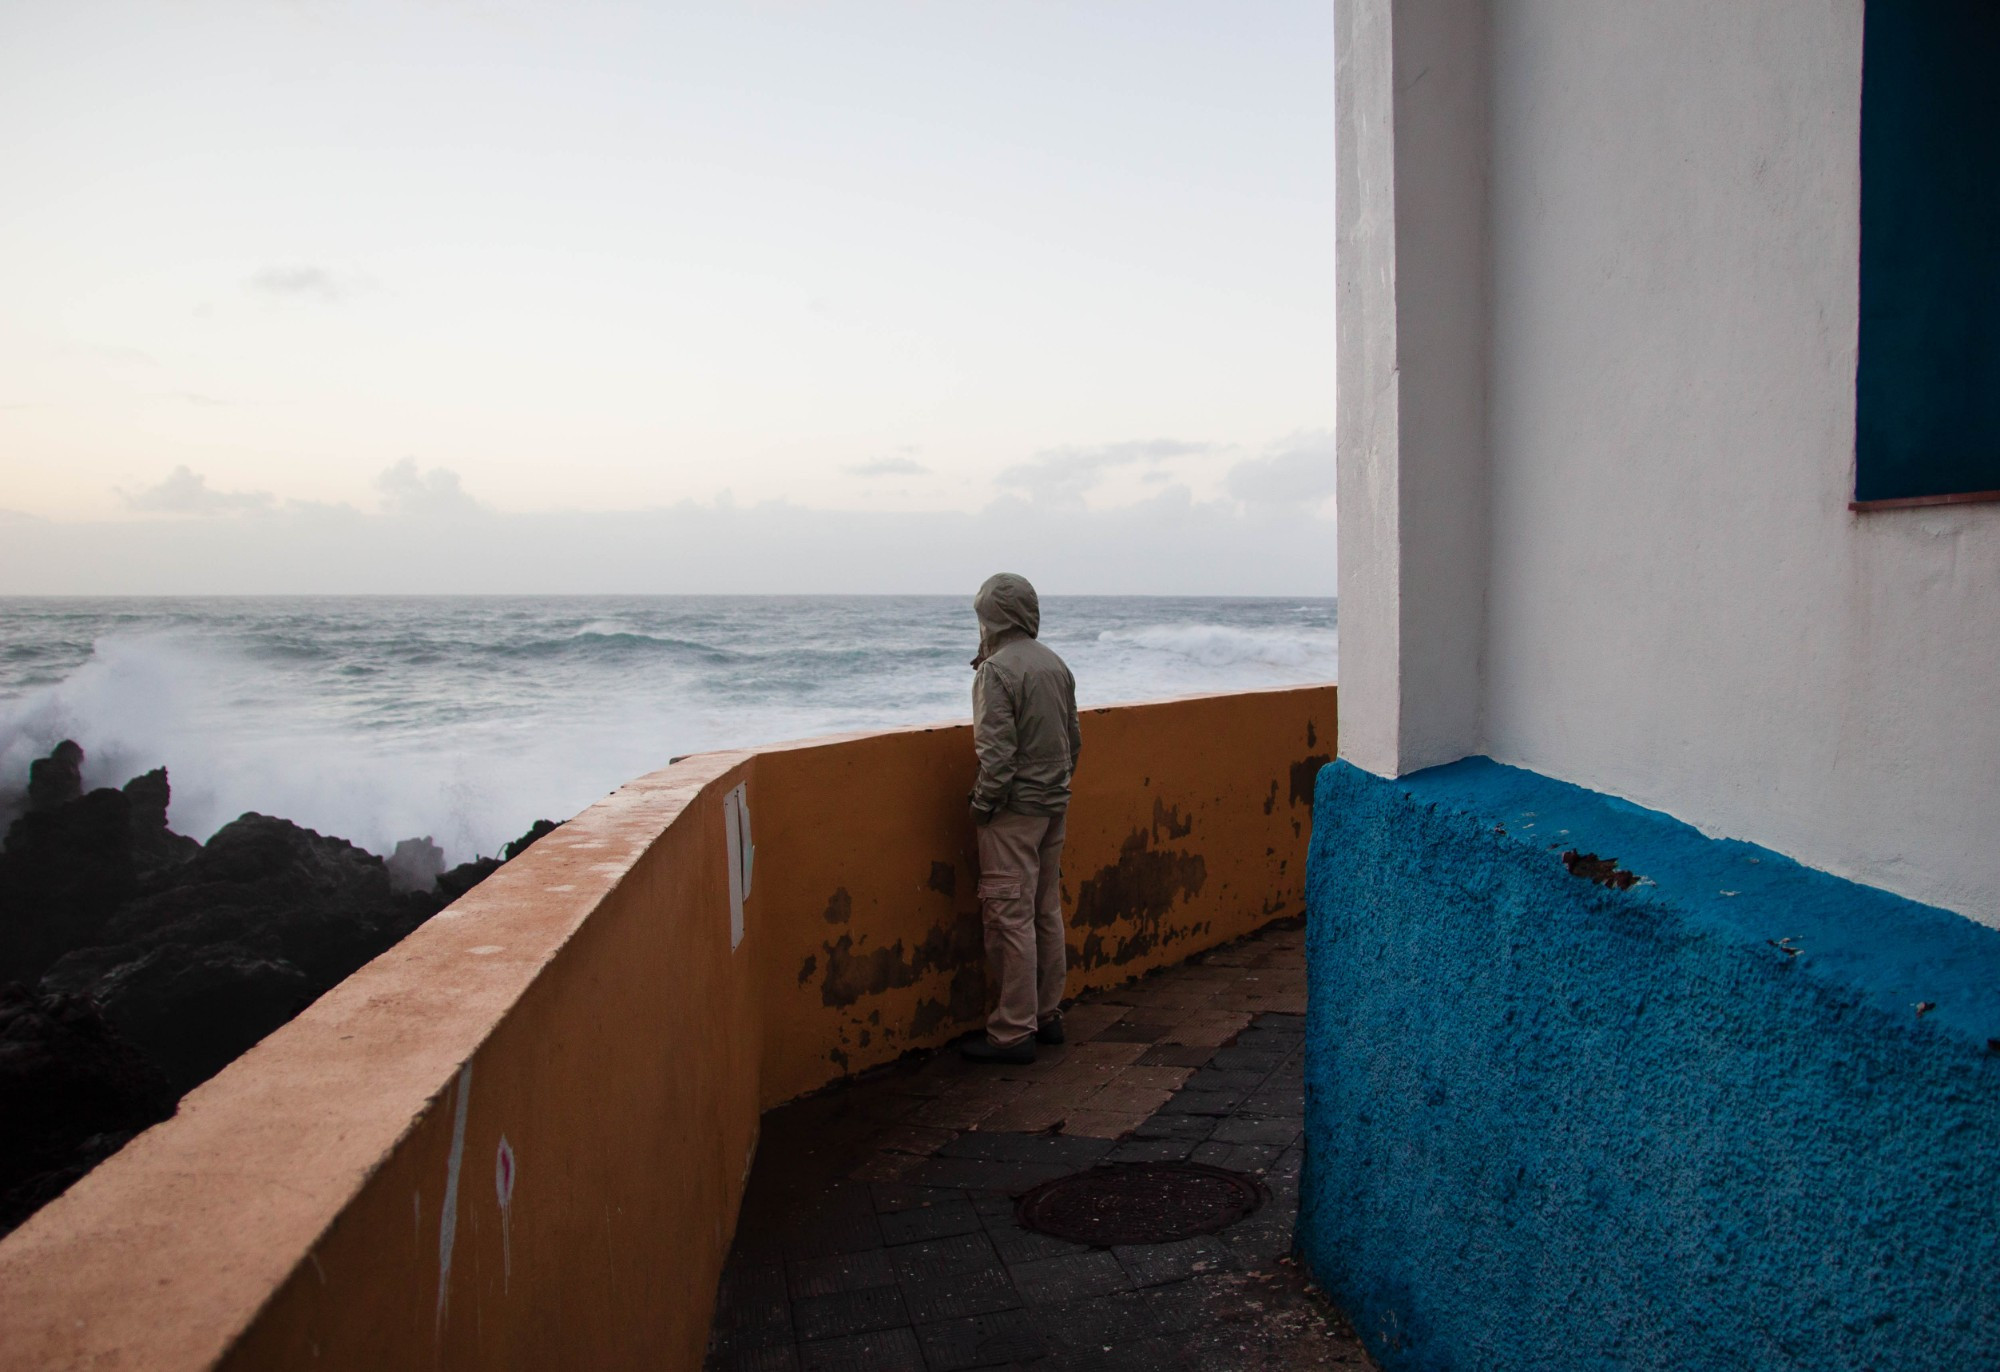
742,856
485,950
503,1187
448,1223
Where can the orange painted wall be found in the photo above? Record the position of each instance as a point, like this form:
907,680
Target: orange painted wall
1187,828
584,1005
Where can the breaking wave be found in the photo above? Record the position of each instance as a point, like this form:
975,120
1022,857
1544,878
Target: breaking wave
1222,646
467,719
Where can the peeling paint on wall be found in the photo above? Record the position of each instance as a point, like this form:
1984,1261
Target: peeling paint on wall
852,973
944,879
1139,889
1305,772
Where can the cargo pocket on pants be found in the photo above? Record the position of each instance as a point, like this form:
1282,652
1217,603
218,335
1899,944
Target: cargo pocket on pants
999,888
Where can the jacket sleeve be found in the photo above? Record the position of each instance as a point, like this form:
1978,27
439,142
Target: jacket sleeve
995,738
1075,729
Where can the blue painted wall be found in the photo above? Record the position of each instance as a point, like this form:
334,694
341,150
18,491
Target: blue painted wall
1555,1125
1927,387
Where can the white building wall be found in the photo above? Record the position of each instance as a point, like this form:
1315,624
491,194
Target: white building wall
1411,457
1678,606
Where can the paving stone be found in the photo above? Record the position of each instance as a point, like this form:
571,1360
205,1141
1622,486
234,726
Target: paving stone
921,1140
1092,1273
1100,1054
1009,1336
1157,1354
981,1082
1255,1129
951,1295
1178,1306
849,1312
782,1357
1152,1150
1237,1157
955,1113
841,1272
885,1167
1016,1245
1155,1264
1102,1124
1214,1104
1036,1112
979,1174
753,1309
1212,1029
887,1350
889,1197
955,1216
1118,1098
959,1253
1215,1079
1105,1321
991,1206
1264,1237
1260,1038
1285,1101
1127,1031
1165,1125
1176,1055
1088,1017
1051,1149
824,1238
1237,1058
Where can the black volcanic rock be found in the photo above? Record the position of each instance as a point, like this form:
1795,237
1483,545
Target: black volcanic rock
219,950
74,1092
155,847
56,779
160,959
70,863
541,829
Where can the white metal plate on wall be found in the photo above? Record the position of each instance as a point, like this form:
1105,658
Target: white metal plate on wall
742,856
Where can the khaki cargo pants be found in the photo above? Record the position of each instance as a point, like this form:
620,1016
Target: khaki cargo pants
1020,896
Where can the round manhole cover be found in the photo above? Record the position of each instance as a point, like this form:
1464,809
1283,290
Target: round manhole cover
1139,1202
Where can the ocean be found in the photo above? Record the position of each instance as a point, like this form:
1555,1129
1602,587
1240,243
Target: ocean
467,718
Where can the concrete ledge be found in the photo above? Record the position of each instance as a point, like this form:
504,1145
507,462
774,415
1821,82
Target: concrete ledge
1699,1122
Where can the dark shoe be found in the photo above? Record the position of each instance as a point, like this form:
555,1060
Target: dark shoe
983,1049
1051,1030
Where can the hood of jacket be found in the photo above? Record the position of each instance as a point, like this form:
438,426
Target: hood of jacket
1007,608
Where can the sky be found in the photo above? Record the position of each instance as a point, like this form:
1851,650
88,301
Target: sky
449,295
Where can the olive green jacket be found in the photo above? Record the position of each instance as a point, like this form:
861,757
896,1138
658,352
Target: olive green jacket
1024,725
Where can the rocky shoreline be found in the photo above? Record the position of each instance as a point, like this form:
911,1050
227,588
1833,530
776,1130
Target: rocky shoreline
136,963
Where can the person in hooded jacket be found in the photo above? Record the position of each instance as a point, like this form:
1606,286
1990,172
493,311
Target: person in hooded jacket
1025,732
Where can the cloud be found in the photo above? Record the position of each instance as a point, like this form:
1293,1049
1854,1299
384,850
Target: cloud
1169,544
437,492
888,466
188,492
204,401
305,283
1065,475
1296,472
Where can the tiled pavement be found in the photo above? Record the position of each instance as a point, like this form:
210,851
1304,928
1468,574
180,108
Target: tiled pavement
878,1232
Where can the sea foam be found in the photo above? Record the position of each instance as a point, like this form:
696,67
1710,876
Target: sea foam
466,719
